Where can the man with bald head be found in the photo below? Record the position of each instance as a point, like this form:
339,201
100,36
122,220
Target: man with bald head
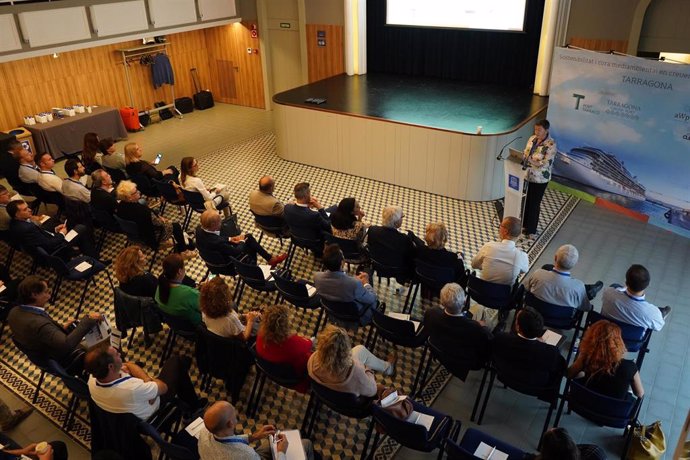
218,441
262,202
217,249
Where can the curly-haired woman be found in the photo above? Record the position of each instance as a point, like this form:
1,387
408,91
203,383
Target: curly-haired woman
130,271
600,364
338,366
218,313
277,342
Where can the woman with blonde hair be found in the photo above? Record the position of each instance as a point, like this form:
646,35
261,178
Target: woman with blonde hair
218,311
433,251
600,365
214,198
136,166
338,366
278,343
130,270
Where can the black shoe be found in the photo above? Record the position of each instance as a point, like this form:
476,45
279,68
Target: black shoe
665,311
593,289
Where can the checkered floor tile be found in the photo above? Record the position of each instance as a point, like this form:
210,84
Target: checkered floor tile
470,225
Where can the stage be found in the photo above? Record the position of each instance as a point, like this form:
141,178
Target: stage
415,132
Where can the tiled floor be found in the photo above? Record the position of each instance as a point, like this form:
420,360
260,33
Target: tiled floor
608,243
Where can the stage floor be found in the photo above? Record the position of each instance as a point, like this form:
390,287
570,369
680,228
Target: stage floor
434,103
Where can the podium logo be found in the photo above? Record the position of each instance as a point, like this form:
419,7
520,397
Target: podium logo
513,182
578,98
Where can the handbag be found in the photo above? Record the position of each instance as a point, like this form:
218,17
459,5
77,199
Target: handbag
647,443
230,227
401,409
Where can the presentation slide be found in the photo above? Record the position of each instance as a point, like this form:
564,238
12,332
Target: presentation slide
508,15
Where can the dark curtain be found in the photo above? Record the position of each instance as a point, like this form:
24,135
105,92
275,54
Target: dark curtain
506,58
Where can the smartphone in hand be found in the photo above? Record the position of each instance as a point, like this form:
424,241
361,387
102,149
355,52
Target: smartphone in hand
158,159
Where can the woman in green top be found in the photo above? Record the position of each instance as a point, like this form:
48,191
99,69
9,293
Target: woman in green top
173,297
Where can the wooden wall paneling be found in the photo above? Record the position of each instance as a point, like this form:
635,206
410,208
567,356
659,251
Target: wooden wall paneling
325,61
230,43
595,44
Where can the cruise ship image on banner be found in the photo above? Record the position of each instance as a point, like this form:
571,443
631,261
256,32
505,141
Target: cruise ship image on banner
595,168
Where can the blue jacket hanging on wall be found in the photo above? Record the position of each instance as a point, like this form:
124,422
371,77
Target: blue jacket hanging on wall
162,71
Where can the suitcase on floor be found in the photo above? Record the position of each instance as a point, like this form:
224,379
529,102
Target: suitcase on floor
184,104
165,114
203,99
130,117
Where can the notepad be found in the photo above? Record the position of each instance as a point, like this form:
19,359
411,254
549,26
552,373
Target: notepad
2,288
97,334
295,451
311,290
551,337
70,235
421,419
194,428
44,219
487,452
266,270
82,267
404,317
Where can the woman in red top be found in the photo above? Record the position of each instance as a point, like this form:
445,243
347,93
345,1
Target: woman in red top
277,343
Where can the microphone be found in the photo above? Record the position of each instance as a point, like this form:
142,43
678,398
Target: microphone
500,155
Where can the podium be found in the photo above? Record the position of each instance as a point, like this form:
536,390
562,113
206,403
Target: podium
515,184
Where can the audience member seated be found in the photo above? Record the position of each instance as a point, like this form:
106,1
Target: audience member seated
451,329
148,222
556,286
600,365
336,285
214,198
210,242
28,171
102,192
218,441
278,343
628,304
47,179
91,156
338,366
135,165
346,220
502,262
27,232
39,334
397,246
173,297
558,445
130,270
218,311
73,187
9,419
433,250
262,202
5,197
126,388
307,218
53,450
530,358
110,158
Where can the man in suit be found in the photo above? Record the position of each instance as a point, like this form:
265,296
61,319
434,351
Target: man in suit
34,329
217,249
102,191
452,330
47,179
267,209
389,246
336,285
307,218
26,232
524,357
72,187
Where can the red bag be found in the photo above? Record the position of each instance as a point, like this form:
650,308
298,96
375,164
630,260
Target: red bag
130,117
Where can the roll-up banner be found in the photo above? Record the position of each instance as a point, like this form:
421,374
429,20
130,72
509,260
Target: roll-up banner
622,126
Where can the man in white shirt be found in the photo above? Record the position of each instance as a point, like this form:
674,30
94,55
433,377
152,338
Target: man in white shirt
120,388
218,441
500,263
73,187
47,179
28,171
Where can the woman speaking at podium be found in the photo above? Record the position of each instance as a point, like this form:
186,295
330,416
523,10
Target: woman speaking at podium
539,155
